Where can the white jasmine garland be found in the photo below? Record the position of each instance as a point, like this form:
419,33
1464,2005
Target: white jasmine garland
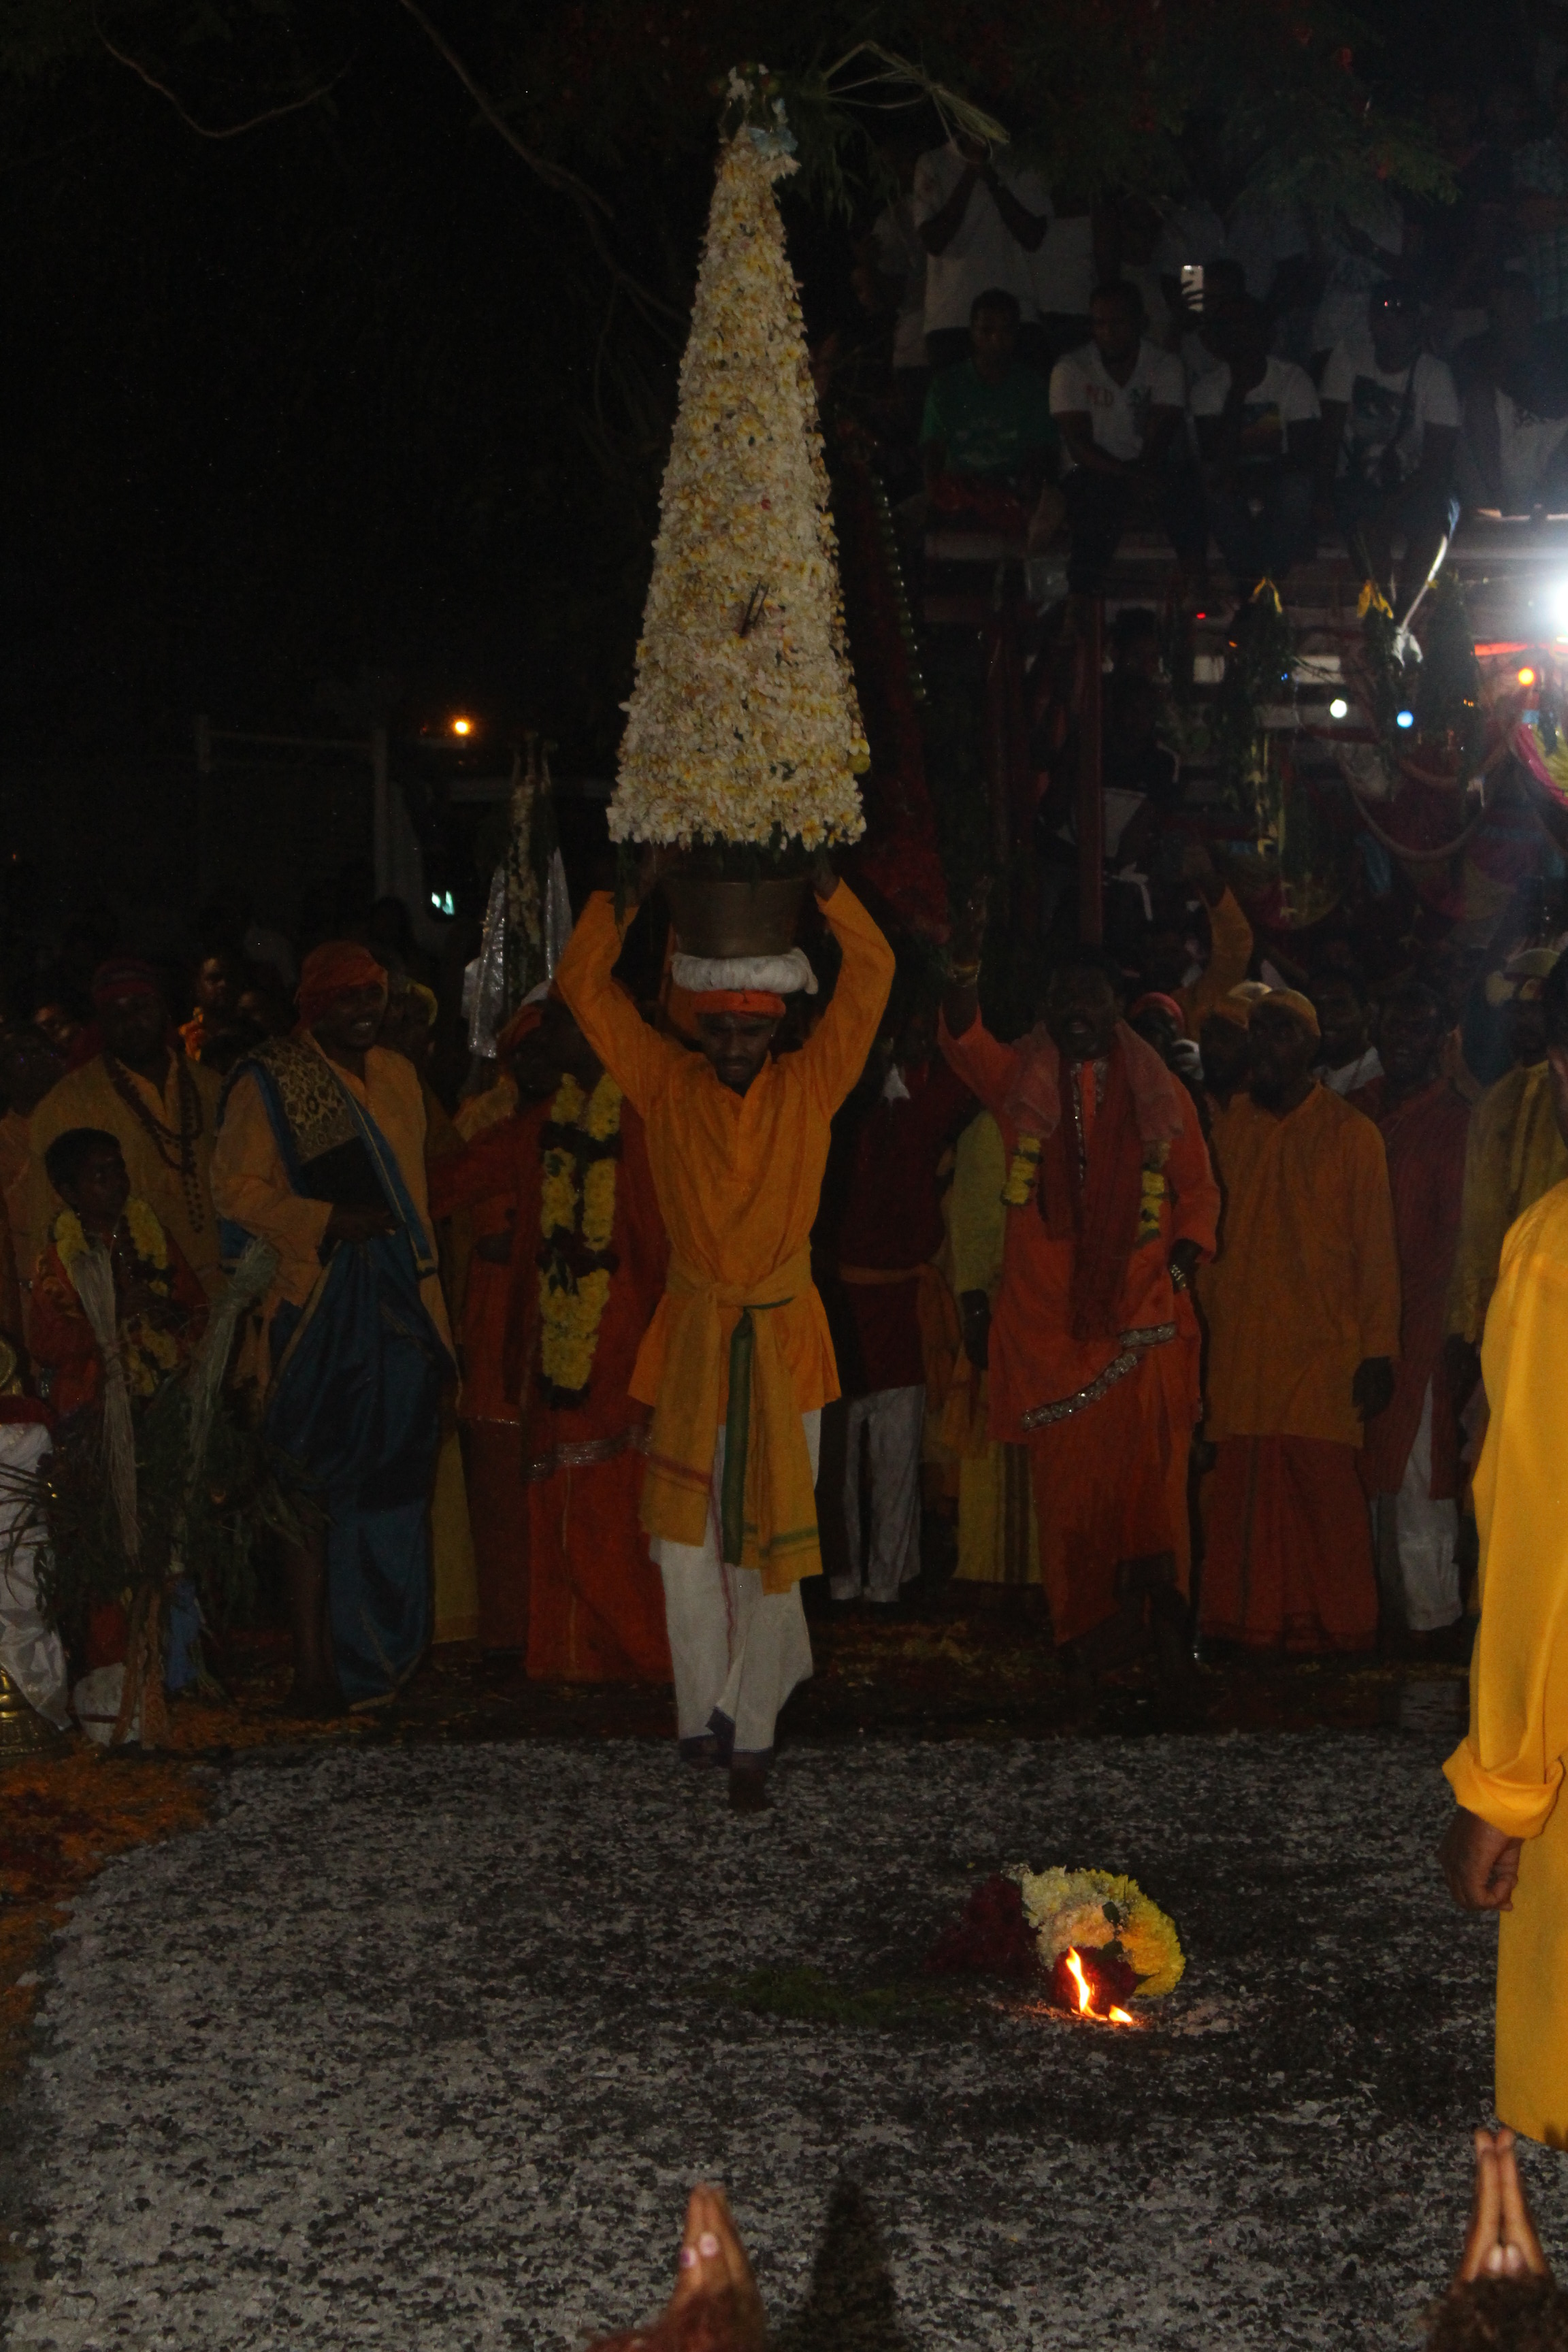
743,724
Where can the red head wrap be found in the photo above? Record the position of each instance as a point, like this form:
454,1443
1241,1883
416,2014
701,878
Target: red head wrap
739,1000
1156,997
328,971
124,976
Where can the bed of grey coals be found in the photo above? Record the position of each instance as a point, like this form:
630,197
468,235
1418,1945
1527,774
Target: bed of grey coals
422,2048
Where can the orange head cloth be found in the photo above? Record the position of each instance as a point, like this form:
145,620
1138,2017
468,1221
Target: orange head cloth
1302,1006
330,971
739,1000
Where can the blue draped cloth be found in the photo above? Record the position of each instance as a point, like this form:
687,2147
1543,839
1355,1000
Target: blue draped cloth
357,1373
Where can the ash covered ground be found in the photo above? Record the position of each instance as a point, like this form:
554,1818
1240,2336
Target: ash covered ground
422,2049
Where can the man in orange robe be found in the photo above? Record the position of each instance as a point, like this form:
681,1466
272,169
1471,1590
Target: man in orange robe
589,1604
737,1362
1411,1462
1303,1315
1093,1349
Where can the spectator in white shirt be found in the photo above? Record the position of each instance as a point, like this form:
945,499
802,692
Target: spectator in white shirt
1256,420
979,225
1118,402
1386,456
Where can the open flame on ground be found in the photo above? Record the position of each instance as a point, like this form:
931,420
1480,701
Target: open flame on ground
1085,1994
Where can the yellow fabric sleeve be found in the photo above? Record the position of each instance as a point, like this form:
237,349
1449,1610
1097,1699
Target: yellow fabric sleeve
251,1187
635,1057
1509,1768
834,1054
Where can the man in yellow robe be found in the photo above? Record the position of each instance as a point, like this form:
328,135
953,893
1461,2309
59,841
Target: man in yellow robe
737,1362
1303,1315
321,1154
1506,1848
161,1108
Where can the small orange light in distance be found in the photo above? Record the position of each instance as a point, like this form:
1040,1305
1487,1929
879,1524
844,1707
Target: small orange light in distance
462,726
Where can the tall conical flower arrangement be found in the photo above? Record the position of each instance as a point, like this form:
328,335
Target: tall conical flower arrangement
743,726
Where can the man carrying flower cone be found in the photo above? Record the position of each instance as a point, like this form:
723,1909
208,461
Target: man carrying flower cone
737,1363
1111,1204
742,745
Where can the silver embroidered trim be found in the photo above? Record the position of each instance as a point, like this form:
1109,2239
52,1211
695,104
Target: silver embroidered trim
1133,1345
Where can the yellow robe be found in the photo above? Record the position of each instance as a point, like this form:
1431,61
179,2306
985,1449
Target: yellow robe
998,1536
88,1098
1514,1156
1509,1768
1307,1281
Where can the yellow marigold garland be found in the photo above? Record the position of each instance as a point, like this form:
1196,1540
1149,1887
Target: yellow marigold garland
1023,1173
1155,1187
147,1234
150,1354
576,1221
1087,1909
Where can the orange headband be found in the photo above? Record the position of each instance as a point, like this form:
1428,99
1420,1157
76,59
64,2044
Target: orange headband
739,1000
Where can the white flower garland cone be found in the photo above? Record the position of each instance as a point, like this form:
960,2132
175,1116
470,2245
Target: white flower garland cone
743,725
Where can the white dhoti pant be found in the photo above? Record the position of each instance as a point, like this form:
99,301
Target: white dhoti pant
1426,1534
893,1421
737,1651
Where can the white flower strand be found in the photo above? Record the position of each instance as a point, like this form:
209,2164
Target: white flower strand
743,724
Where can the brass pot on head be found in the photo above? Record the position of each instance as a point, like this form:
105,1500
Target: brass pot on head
716,918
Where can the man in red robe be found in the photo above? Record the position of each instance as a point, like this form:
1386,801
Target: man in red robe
1410,1461
1094,1346
889,1230
587,1270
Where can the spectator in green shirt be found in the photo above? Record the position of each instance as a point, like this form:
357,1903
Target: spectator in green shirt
988,439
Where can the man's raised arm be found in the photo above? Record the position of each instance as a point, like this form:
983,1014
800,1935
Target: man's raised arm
835,1052
633,1054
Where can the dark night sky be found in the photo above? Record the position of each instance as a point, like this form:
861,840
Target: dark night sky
319,404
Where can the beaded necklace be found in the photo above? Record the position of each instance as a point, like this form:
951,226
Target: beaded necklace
180,1159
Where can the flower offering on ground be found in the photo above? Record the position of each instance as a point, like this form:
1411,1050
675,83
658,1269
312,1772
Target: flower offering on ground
1020,1922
